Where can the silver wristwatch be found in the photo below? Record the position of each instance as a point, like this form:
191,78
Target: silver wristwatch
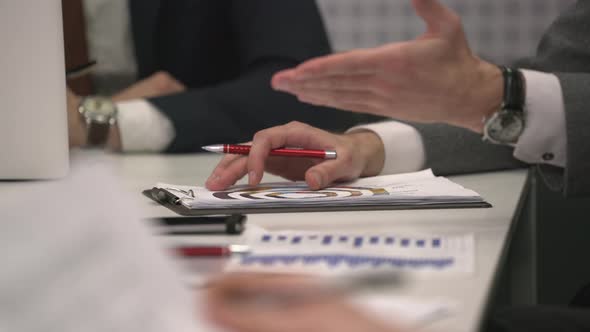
506,125
99,114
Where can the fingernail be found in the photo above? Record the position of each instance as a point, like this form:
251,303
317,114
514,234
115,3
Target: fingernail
252,177
213,178
317,180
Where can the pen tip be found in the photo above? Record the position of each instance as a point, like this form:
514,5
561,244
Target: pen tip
213,148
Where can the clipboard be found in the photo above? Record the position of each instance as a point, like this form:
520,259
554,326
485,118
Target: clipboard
171,201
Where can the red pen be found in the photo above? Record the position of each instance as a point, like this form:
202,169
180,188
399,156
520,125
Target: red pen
283,152
211,251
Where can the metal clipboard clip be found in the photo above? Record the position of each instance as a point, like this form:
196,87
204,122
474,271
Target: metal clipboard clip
164,195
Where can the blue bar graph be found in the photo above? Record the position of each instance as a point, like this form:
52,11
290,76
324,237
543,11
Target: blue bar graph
357,241
361,250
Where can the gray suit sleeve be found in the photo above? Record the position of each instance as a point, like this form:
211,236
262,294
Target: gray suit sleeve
564,50
451,150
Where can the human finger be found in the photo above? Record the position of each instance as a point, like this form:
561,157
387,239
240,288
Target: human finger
292,134
324,174
283,79
230,170
355,82
264,141
440,20
356,106
285,167
164,82
288,168
361,61
340,98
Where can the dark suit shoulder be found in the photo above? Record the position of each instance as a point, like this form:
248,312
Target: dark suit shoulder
279,28
565,47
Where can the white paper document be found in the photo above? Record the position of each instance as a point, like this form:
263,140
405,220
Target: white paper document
412,189
341,253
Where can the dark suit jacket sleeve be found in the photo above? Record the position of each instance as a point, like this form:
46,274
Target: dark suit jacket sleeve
269,36
575,179
565,51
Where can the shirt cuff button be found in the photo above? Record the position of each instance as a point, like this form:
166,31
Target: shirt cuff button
548,156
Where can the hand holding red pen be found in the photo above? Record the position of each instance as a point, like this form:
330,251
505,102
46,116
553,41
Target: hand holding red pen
359,154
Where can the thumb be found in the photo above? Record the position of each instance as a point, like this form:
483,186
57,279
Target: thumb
439,19
326,173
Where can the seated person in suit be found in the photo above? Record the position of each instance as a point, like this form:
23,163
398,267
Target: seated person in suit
537,116
203,67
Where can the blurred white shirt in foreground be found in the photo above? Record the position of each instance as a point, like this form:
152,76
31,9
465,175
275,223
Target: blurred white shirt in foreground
77,257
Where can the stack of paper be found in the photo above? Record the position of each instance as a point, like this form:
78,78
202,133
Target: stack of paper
419,189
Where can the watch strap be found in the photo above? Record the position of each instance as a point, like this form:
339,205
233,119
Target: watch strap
514,90
98,134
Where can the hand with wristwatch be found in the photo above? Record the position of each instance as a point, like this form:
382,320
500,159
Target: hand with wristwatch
92,120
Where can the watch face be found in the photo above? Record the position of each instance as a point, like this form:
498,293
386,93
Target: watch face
98,109
505,127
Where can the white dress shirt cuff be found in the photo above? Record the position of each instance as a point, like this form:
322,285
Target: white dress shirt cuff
143,128
544,139
404,149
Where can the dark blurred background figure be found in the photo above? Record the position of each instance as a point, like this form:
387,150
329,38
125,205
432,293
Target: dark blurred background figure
188,73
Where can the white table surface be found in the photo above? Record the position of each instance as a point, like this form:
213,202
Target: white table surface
490,226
